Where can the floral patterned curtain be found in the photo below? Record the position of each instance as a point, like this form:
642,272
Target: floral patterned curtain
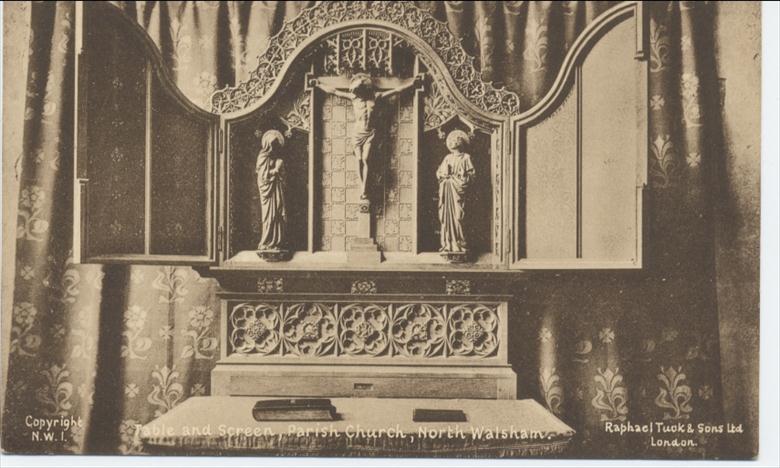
121,345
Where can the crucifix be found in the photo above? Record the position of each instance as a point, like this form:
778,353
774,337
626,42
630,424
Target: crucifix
364,95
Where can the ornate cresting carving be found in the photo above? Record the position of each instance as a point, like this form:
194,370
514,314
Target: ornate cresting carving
404,14
391,330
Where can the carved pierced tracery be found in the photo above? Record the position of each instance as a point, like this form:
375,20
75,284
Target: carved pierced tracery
360,50
373,330
298,116
438,109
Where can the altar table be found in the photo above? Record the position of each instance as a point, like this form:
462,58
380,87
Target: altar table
378,427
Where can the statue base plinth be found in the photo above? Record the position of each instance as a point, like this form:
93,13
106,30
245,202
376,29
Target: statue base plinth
274,255
364,250
455,257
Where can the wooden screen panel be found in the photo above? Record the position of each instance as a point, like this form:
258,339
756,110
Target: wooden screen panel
551,184
144,181
115,97
609,134
180,172
580,170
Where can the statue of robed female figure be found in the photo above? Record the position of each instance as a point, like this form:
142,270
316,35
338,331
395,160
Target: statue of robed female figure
270,183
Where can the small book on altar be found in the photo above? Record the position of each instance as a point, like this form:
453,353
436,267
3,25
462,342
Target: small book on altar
296,409
438,415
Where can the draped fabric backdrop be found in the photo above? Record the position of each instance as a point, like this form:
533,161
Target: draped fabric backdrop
119,346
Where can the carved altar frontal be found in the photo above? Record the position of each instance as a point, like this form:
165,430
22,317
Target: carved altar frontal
372,345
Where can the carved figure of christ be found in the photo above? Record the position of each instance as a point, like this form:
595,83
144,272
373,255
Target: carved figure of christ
364,97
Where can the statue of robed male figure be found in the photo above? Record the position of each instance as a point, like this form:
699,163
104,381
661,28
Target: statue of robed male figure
455,175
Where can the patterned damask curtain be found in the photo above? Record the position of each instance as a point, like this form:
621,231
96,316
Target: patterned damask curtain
118,346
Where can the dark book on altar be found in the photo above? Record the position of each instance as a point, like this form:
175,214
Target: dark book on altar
438,415
306,409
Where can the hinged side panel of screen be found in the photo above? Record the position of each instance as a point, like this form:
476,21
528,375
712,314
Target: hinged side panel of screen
144,173
580,171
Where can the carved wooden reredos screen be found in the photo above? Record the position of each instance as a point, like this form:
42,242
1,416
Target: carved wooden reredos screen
555,186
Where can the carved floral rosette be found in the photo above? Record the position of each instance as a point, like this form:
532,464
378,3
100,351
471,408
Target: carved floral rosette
308,329
418,330
255,328
367,330
472,330
363,329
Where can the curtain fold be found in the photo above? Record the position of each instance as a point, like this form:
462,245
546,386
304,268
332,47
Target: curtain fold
119,346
